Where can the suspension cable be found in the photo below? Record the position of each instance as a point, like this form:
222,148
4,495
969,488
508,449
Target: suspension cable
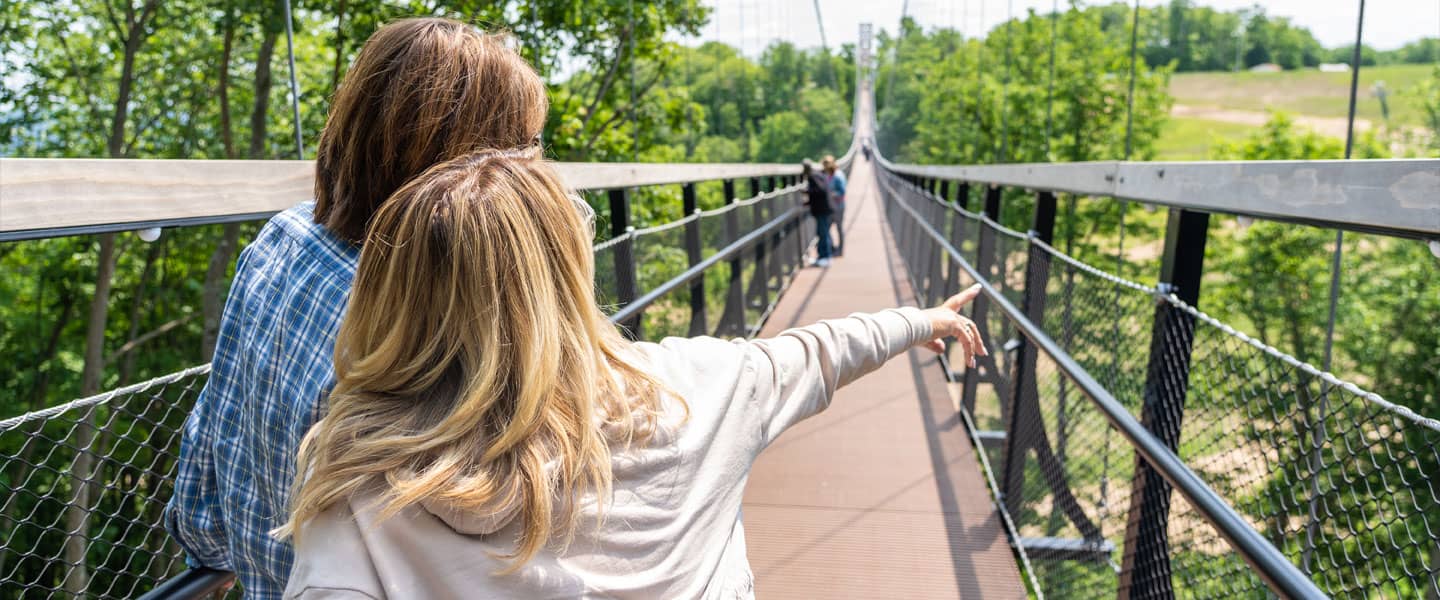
1349,148
1005,85
1120,244
825,46
895,52
634,124
294,85
1130,98
1050,82
1317,432
686,51
984,39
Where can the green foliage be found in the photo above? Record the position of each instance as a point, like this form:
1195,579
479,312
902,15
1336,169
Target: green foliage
709,101
1427,96
948,100
817,126
1279,281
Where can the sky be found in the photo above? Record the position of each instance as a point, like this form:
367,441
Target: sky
752,24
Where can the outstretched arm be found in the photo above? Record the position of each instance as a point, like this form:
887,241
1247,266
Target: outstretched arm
799,370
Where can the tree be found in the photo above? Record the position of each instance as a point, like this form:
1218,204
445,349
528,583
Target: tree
963,108
815,126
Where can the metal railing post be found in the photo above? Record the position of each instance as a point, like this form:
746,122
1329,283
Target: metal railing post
957,237
934,275
693,253
732,321
1025,427
985,256
912,241
775,269
802,241
759,290
626,286
1145,569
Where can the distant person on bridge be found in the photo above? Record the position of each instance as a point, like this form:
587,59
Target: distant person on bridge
837,201
492,435
420,92
817,197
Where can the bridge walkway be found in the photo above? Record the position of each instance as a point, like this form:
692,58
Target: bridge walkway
880,496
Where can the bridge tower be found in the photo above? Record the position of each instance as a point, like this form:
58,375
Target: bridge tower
864,56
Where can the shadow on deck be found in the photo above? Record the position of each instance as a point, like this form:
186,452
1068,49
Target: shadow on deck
880,496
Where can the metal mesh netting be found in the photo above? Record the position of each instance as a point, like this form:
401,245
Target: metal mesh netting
1346,485
732,306
86,483
1342,482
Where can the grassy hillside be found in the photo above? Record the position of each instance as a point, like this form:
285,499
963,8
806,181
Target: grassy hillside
1227,105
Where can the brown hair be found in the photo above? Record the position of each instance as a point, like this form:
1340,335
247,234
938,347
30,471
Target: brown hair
474,367
420,92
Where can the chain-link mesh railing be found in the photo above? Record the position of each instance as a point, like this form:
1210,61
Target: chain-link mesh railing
1345,484
85,483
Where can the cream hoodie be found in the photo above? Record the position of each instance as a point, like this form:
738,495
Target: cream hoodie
673,528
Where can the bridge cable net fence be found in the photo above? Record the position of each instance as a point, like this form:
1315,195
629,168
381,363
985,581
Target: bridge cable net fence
85,483
1344,483
734,305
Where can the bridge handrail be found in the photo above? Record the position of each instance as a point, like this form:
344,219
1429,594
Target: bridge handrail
635,307
1283,577
1329,378
1399,197
51,197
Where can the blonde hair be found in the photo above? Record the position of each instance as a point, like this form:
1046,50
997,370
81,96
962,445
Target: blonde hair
474,366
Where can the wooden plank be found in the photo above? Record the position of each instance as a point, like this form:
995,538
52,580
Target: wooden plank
72,193
1381,195
1396,197
41,197
1087,178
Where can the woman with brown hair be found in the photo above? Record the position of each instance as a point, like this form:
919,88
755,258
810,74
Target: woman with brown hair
420,92
492,435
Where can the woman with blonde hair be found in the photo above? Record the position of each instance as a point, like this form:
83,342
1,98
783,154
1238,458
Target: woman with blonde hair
420,92
492,435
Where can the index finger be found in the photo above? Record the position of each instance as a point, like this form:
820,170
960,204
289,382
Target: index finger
961,299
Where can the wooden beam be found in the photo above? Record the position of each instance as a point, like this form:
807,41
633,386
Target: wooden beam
1393,197
46,197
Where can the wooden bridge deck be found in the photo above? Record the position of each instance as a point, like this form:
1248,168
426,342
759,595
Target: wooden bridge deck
881,496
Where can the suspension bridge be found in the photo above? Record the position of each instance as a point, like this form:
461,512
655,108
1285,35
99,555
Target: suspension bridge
1107,447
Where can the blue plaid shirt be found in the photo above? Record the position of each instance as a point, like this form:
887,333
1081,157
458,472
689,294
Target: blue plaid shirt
270,376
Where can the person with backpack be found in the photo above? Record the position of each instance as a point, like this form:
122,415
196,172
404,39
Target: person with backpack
817,198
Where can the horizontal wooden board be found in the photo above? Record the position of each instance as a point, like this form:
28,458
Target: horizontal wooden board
40,197
1399,196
